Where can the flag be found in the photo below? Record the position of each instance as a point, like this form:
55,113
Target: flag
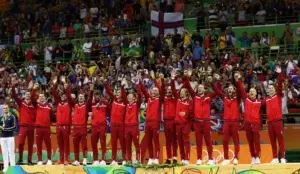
165,23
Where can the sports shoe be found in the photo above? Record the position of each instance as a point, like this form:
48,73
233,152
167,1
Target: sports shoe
49,163
225,162
199,162
135,162
4,170
76,163
155,161
20,162
59,163
168,161
96,163
66,162
150,161
84,161
274,161
174,161
235,161
40,163
211,162
257,160
124,163
253,161
103,163
113,163
283,161
186,162
30,163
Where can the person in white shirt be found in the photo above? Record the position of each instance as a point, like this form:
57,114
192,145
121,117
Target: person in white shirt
94,11
48,52
87,48
7,140
83,12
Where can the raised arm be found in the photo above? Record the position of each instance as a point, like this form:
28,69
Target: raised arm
241,90
139,94
189,88
161,89
71,101
218,91
109,91
34,97
175,93
144,90
15,96
279,88
123,94
55,96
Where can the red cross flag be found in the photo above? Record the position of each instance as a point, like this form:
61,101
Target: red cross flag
165,23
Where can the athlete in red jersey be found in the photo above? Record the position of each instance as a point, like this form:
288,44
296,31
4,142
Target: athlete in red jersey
79,122
169,113
252,119
63,125
27,120
100,108
201,124
132,131
274,118
153,118
231,121
117,114
42,130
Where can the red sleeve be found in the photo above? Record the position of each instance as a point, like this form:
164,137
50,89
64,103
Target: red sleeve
162,90
191,110
71,101
175,93
218,91
109,91
123,94
189,88
280,80
90,99
15,96
139,95
212,95
55,96
34,97
144,91
241,90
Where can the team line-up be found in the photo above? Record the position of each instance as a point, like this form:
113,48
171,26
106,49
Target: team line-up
182,110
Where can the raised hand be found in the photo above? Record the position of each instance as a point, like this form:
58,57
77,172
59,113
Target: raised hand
216,76
152,74
173,74
92,87
278,69
237,76
54,81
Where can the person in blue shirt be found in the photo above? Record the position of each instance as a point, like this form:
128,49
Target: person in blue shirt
7,140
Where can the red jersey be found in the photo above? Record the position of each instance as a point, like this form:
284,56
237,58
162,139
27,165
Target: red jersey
118,108
63,110
43,114
252,107
185,106
80,110
26,109
274,103
100,111
231,106
133,110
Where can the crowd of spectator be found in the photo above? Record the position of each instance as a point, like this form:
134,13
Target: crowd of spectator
243,12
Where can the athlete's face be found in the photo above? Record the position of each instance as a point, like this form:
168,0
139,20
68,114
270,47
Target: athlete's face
63,97
5,109
130,98
231,90
169,91
80,98
252,93
97,97
201,89
42,98
27,95
118,94
183,93
154,92
271,90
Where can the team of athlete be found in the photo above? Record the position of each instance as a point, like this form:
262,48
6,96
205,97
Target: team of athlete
183,110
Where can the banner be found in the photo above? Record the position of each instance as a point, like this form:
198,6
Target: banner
165,23
132,52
